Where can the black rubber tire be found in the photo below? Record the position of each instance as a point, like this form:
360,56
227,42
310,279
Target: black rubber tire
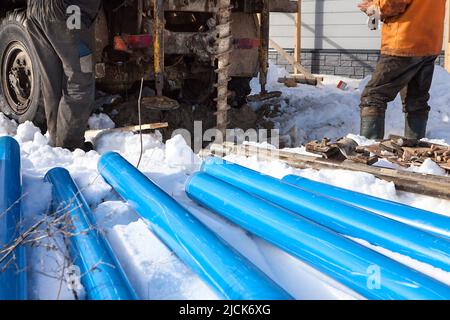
13,29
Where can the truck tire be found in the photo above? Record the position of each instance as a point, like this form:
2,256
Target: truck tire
19,74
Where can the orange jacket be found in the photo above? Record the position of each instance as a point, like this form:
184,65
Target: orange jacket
412,27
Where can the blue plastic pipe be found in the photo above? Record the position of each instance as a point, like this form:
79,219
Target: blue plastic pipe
101,273
229,273
12,269
426,220
359,268
340,217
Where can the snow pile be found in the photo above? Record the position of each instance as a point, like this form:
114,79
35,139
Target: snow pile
27,132
429,167
7,127
100,121
310,113
179,154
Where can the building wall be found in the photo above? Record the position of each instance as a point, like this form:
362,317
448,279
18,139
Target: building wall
326,24
335,38
356,64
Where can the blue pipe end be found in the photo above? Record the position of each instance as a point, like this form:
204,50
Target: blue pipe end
54,172
106,157
8,147
13,283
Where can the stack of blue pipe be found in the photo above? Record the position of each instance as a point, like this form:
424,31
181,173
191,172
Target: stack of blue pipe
100,272
314,223
226,271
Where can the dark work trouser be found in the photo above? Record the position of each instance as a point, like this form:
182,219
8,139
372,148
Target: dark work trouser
67,78
410,76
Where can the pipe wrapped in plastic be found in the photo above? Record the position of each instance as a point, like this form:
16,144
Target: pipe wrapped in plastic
13,284
101,274
338,216
422,219
367,272
225,270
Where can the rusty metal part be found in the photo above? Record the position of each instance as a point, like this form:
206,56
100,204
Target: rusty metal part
264,48
158,45
175,43
367,160
186,34
120,77
160,102
390,147
409,152
343,149
350,150
18,82
264,96
240,5
322,148
224,48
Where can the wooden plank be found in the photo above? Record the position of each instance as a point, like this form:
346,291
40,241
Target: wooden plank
300,78
298,36
424,184
291,60
91,134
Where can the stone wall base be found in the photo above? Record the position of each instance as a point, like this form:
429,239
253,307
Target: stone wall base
356,64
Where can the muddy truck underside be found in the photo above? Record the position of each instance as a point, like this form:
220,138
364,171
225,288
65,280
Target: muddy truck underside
210,51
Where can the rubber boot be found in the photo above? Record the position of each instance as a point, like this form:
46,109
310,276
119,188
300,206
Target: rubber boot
416,125
372,123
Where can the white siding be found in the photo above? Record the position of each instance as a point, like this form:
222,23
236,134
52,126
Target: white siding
326,24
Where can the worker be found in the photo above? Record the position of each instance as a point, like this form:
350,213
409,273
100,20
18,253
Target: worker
412,38
65,55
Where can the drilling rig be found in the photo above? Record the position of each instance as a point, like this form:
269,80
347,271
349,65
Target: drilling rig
190,50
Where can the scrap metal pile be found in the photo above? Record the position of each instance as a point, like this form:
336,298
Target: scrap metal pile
398,150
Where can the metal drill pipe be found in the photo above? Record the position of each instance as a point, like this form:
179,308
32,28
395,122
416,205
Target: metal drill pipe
224,42
158,43
264,47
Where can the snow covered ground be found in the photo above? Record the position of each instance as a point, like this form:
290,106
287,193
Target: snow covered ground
314,113
153,270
